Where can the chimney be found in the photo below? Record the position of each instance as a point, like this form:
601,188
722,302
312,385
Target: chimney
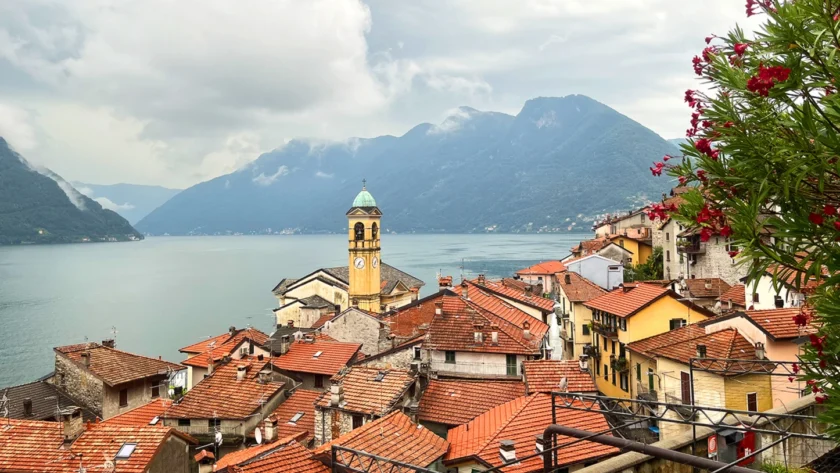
336,395
439,307
231,330
625,289
540,443
72,425
708,284
583,361
526,329
270,430
481,280
210,367
290,324
494,337
759,350
27,407
284,344
464,290
110,343
528,290
264,376
701,351
778,302
241,371
444,282
507,450
86,359
567,278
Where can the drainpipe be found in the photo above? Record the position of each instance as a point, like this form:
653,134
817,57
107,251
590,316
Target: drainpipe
624,444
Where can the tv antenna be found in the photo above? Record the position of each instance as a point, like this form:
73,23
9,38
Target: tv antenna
114,335
4,407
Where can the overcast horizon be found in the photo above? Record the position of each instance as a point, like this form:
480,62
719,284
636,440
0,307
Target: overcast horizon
175,93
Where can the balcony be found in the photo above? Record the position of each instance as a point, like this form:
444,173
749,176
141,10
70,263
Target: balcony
644,393
692,248
619,364
592,351
605,329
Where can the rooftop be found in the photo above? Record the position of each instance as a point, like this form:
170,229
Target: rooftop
317,357
545,268
778,323
488,301
370,390
116,367
458,401
628,299
250,454
221,396
544,376
216,351
143,415
514,292
300,408
394,437
414,319
711,288
289,458
521,420
45,398
364,199
577,288
736,294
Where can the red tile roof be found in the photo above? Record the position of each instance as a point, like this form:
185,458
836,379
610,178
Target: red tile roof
394,437
517,294
455,329
221,395
680,335
457,401
698,287
301,401
142,415
415,318
241,456
322,320
115,367
291,458
546,268
627,300
543,376
779,322
332,358
590,247
521,420
35,446
496,305
204,345
577,288
219,351
516,284
737,294
363,394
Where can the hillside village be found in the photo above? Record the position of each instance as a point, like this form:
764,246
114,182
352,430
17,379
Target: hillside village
360,372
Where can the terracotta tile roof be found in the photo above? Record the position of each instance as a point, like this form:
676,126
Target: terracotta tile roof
488,301
241,456
394,437
115,367
627,300
414,318
577,288
301,401
521,420
589,247
221,395
779,322
543,376
516,284
291,458
790,277
204,345
543,268
737,294
322,320
698,287
457,401
455,329
519,295
332,356
142,415
646,346
34,446
363,394
202,360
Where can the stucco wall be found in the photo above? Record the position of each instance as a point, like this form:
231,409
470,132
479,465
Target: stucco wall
666,237
766,295
173,457
596,269
79,384
738,387
139,393
474,363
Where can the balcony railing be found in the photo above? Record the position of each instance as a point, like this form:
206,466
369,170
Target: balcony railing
206,429
619,364
644,393
692,248
605,329
592,351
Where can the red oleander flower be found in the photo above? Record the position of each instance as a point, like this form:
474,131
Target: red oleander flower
684,179
704,215
830,210
689,98
666,157
820,399
766,78
698,65
708,53
701,174
705,234
726,231
816,219
709,39
728,125
823,364
800,320
790,379
837,225
704,145
733,254
795,368
740,48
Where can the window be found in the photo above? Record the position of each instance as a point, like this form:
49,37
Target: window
605,343
155,391
585,329
638,372
668,255
613,377
624,382
717,240
606,373
755,297
374,231
250,348
125,451
450,357
154,420
676,323
597,370
642,215
319,353
358,421
621,243
667,236
752,402
319,381
510,361
685,385
416,353
213,423
183,422
296,417
612,347
623,324
123,397
359,231
621,352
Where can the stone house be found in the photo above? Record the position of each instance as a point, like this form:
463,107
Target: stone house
109,381
312,361
361,395
409,355
619,223
41,400
709,259
664,235
232,345
358,326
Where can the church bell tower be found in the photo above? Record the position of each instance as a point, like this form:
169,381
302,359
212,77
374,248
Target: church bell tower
363,228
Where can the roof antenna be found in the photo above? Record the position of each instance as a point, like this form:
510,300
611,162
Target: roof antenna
462,269
114,335
4,408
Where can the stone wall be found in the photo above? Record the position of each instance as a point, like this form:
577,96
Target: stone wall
79,384
715,262
356,327
173,457
400,359
331,424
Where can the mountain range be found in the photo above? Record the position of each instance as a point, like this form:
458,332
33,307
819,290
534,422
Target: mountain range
38,206
555,166
132,201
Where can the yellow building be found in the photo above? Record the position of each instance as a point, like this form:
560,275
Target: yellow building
629,313
575,319
637,242
363,242
661,371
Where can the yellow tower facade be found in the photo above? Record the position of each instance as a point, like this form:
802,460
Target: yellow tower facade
364,252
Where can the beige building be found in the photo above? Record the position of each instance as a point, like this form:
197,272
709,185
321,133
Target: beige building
571,324
366,282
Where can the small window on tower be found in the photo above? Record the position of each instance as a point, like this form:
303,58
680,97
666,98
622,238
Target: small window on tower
359,230
374,231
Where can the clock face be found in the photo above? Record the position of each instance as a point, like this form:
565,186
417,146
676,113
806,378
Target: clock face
375,262
359,263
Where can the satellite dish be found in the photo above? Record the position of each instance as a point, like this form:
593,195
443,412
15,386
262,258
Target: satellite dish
258,435
218,438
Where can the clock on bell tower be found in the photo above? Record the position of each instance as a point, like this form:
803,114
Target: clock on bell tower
363,220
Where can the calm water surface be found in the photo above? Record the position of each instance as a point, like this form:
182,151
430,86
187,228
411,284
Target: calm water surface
165,293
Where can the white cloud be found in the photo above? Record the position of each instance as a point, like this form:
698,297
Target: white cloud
264,180
15,127
454,121
107,203
86,191
324,175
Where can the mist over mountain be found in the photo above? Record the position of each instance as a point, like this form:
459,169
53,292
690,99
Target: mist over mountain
553,167
132,201
38,206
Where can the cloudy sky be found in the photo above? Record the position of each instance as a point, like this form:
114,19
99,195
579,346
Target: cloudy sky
173,92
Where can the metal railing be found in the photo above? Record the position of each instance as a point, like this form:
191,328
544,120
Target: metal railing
606,330
209,430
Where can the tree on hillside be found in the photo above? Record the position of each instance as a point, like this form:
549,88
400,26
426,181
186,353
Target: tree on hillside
764,148
651,270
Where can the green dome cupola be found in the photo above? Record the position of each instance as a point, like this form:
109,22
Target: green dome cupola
364,199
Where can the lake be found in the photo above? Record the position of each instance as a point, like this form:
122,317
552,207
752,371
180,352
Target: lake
165,293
